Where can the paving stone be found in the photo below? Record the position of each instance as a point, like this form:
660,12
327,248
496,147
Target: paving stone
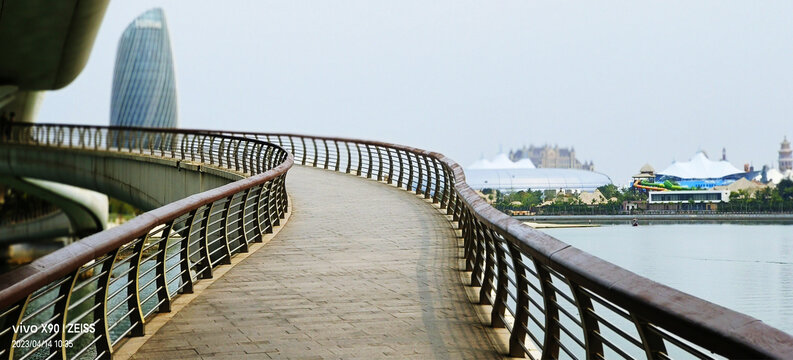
361,270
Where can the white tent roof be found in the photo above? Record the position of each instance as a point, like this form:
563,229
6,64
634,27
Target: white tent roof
502,161
776,176
700,167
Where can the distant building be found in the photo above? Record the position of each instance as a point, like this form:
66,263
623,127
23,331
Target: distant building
144,87
647,172
550,157
785,156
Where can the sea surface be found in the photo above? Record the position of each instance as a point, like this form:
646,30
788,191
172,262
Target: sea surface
747,268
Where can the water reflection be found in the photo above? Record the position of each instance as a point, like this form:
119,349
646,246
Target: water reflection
747,268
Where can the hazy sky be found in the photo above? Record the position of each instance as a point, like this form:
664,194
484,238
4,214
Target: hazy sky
625,82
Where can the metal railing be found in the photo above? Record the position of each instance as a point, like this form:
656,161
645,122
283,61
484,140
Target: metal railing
556,301
83,300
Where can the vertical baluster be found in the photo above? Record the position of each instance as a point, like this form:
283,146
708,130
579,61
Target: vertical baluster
652,342
162,282
104,347
550,347
517,339
500,300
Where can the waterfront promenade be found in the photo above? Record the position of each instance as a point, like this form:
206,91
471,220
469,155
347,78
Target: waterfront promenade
361,270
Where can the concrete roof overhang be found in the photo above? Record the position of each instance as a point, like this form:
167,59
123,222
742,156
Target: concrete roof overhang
44,43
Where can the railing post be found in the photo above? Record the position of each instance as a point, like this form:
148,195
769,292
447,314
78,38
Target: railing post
264,193
349,157
401,169
500,300
360,160
550,347
371,160
284,198
379,163
162,282
469,240
14,318
184,248
429,177
517,339
489,271
136,317
390,165
653,343
338,156
316,151
224,232
594,347
256,234
435,198
104,347
327,155
272,203
410,171
420,176
479,253
206,273
303,140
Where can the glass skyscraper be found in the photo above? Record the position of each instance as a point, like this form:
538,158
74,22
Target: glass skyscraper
144,88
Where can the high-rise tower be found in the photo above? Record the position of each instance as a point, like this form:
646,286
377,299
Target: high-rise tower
785,156
144,88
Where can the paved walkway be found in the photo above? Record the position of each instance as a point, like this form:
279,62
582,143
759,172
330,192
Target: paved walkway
361,270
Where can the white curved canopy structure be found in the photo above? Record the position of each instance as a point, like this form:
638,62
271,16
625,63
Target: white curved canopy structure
501,161
700,167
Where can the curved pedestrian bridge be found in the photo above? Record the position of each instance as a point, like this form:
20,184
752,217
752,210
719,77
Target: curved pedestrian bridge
359,270
366,266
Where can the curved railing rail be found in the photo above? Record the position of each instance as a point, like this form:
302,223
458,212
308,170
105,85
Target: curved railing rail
556,301
82,300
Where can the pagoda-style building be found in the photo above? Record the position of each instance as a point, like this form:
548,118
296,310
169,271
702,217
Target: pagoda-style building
785,156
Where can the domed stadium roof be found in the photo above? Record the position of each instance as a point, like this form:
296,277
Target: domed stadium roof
700,167
535,179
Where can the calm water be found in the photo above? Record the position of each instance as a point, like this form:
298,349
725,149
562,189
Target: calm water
748,268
